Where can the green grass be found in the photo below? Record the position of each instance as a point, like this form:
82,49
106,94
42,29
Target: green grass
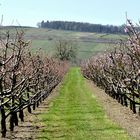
76,115
46,46
87,50
88,44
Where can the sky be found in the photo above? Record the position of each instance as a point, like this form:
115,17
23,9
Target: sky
30,12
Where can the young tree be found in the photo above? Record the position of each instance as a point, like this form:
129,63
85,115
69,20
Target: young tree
66,50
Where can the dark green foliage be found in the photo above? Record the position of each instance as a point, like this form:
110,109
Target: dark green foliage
82,27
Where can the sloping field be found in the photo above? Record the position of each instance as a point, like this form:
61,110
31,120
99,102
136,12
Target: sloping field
88,44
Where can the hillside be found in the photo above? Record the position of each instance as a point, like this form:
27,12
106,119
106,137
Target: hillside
88,44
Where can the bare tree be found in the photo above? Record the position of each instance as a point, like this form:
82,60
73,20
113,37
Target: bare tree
25,79
66,50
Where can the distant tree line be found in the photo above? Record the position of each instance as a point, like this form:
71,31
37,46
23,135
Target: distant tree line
82,27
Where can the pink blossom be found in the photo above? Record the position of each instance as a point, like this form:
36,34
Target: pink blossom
126,30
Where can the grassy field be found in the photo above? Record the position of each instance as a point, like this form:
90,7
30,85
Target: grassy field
88,44
76,115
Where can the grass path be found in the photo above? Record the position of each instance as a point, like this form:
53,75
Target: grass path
76,115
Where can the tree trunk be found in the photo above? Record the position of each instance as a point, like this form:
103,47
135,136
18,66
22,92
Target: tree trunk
139,111
15,118
21,115
37,104
29,106
134,107
125,101
3,122
11,122
34,106
29,109
121,98
131,105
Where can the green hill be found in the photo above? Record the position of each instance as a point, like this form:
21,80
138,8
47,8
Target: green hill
88,44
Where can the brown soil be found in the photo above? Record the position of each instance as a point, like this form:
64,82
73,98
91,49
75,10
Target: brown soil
115,111
29,129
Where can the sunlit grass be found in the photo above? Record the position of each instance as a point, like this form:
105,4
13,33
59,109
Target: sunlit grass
76,115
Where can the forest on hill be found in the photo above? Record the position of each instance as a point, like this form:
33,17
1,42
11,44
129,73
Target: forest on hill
82,27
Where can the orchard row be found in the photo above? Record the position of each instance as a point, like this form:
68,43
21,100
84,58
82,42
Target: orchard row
25,79
118,71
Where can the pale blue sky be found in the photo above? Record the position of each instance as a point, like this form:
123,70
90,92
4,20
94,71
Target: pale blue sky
29,12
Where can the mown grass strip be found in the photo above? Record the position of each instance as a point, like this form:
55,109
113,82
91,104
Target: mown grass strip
76,115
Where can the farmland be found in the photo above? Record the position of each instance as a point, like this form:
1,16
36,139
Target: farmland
83,115
88,44
83,118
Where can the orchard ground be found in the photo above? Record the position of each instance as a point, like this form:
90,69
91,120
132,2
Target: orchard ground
77,109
